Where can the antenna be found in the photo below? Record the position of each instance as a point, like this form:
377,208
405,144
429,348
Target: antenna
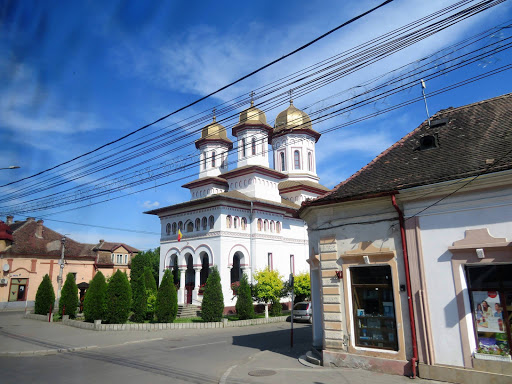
423,86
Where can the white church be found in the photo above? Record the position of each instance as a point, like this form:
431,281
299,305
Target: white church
243,219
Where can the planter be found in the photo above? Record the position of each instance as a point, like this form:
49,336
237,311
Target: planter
486,356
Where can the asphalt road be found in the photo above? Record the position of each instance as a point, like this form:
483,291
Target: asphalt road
192,357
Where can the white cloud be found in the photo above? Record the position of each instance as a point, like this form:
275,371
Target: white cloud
150,205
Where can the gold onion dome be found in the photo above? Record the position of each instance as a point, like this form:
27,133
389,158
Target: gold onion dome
292,118
253,115
214,131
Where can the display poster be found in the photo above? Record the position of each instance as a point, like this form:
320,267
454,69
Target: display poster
488,311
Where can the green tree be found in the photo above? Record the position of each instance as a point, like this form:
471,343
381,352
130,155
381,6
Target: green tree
149,279
140,303
302,287
244,306
213,300
45,296
94,300
150,312
269,288
166,300
69,296
150,259
118,299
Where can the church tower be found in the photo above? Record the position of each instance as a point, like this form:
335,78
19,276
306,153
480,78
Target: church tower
293,142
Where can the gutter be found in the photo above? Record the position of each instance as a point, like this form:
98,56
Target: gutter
401,220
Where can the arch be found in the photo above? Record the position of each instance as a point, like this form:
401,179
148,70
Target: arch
296,159
228,221
278,226
265,225
260,224
168,228
235,222
201,250
205,268
186,250
189,226
245,260
211,221
174,228
198,224
204,223
272,226
236,270
243,223
172,251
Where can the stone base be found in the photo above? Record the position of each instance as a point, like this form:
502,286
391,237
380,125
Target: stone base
484,372
376,364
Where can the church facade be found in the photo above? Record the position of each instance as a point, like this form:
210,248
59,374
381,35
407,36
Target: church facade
244,219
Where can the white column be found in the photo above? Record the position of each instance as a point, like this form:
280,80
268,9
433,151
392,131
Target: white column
181,292
197,282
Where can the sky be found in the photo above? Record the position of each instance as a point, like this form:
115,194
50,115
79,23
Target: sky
77,75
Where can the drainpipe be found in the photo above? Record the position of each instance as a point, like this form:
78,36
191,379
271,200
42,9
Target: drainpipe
408,284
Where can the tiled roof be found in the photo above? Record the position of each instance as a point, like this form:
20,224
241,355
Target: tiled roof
471,140
108,246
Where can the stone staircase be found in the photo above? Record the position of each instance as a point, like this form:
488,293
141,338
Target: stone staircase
188,310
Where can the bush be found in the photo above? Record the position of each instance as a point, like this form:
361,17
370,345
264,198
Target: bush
213,300
244,306
45,296
149,279
276,309
69,296
94,300
166,300
118,299
151,307
140,303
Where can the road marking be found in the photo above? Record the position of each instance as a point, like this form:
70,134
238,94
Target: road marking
198,345
226,374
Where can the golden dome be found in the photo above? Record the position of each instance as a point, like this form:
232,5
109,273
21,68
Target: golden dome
214,131
292,118
253,115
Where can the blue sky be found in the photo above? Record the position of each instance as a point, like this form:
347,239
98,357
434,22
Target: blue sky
74,76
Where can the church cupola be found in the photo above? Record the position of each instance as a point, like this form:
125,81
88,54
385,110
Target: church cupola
293,142
252,133
213,146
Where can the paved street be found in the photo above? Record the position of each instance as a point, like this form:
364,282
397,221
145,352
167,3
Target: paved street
230,355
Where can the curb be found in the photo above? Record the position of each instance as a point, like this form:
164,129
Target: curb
45,352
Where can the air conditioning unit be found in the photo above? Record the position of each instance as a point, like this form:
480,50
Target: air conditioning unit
3,281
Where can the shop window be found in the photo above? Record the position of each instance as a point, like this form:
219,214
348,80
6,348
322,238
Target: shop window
490,289
18,289
374,307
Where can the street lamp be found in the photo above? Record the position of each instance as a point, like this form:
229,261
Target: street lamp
11,167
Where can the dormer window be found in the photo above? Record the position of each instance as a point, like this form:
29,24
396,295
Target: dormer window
428,142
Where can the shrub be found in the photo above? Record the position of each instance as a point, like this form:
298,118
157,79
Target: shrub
118,299
139,300
149,279
276,309
244,306
94,300
69,296
213,300
166,300
150,311
45,296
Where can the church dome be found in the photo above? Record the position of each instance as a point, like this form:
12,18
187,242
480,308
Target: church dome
253,115
214,131
292,118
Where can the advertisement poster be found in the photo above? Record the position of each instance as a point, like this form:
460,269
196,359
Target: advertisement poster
488,311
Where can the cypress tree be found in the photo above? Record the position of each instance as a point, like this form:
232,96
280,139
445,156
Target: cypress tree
213,300
139,262
140,301
149,279
69,296
118,299
244,307
45,296
166,300
94,300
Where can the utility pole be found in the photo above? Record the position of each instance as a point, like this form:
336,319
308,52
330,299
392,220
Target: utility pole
291,316
61,264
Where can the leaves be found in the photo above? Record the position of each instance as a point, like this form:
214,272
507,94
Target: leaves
269,286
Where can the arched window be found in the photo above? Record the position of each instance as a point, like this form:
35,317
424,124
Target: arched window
310,161
244,223
204,223
168,228
235,222
253,146
190,226
259,224
180,225
278,227
212,222
213,159
243,148
265,225
283,164
204,160
296,159
174,228
272,226
228,221
198,224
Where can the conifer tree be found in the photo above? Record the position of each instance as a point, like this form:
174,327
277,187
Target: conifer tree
118,299
45,296
213,299
140,302
94,300
69,296
166,300
244,306
150,281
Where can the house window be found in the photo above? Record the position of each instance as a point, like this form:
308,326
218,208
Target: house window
212,222
204,222
490,291
283,164
119,259
310,161
296,159
374,307
112,257
253,146
228,221
213,159
126,259
270,262
243,148
18,289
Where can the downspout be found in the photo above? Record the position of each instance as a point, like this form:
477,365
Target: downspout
408,284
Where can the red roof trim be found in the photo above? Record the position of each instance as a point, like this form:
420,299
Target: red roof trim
207,140
241,126
205,181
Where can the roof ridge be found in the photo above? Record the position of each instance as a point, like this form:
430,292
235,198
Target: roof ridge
453,109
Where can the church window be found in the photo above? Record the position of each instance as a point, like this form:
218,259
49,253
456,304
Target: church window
173,228
296,159
278,227
198,224
259,224
180,225
212,222
253,146
272,226
228,221
265,225
204,223
270,262
213,159
190,226
283,164
310,161
168,228
204,160
244,223
243,148
235,222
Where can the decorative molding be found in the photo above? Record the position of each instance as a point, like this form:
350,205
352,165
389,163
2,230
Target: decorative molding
367,248
479,238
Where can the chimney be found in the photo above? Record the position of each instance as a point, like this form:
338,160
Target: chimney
102,241
9,220
39,229
29,219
